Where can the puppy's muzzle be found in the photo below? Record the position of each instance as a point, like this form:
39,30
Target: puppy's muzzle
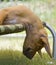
29,52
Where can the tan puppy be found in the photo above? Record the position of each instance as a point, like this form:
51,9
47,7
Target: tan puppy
36,36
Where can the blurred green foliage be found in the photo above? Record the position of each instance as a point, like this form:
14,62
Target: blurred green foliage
10,57
14,0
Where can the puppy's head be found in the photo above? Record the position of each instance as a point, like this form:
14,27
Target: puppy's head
34,43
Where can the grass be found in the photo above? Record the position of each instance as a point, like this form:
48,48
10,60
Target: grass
10,57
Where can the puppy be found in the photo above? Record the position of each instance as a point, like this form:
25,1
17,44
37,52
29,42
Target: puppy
36,35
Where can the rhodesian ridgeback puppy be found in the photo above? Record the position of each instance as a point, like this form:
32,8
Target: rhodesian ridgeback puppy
36,35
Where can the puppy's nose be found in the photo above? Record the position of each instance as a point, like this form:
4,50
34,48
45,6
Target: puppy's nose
28,49
28,52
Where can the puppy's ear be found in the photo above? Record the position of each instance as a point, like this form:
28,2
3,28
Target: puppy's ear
3,15
44,39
